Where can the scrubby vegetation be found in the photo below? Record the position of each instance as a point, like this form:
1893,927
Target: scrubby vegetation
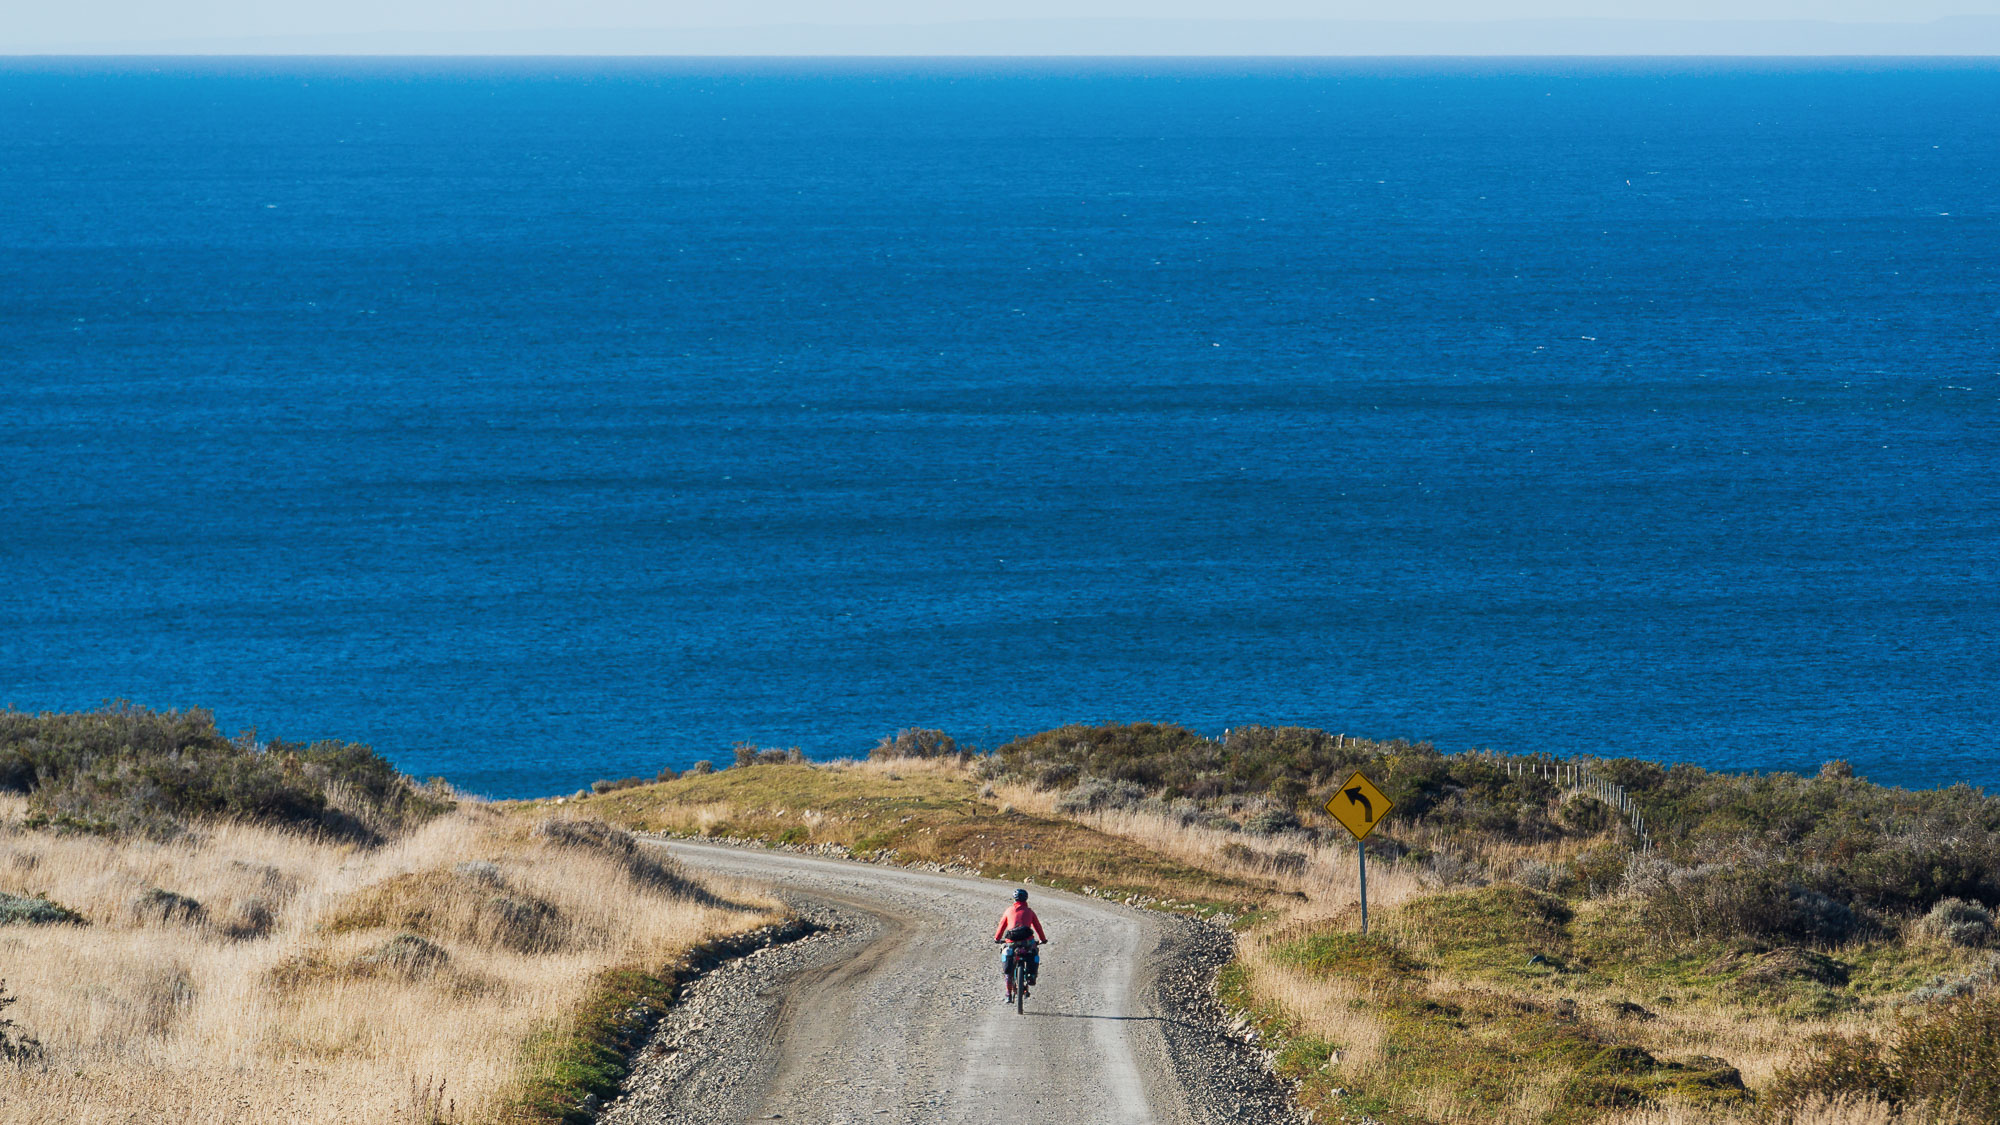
917,742
34,910
1938,1064
1545,936
1769,856
122,768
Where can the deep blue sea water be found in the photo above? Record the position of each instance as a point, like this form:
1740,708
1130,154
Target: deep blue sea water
544,421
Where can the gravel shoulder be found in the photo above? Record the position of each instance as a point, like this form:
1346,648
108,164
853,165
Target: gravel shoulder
893,1013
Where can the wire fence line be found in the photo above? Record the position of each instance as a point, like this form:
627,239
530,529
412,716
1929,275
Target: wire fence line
1572,778
1576,779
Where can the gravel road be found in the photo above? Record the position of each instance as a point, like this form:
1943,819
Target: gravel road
894,1014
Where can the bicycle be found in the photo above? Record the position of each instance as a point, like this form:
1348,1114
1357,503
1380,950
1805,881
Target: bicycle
1020,966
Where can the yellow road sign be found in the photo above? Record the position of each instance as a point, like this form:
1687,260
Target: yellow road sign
1359,805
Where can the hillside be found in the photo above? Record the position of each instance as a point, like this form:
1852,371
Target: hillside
202,929
1770,946
194,924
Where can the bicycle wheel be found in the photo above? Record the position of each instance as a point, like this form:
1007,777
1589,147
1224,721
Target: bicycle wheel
1020,986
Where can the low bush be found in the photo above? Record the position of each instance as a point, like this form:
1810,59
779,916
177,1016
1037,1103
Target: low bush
481,870
157,906
649,867
1269,822
407,956
1537,875
750,754
124,768
1941,1065
1947,987
608,786
1713,901
1450,869
1095,795
1057,776
25,910
1955,921
916,743
248,918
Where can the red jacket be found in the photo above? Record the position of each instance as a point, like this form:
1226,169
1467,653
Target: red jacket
1018,914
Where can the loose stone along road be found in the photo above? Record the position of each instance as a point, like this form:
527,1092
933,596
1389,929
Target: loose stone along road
894,1014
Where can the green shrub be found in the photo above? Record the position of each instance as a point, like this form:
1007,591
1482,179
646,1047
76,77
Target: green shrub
1942,1065
21,910
1950,1062
1269,822
1957,922
1843,1068
1093,795
1693,904
124,768
1945,986
750,754
916,743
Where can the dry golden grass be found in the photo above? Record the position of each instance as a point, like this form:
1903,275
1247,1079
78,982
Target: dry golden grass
921,811
1339,1010
1349,1012
270,1007
1824,1113
1326,881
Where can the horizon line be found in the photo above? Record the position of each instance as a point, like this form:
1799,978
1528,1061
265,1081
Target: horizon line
1959,36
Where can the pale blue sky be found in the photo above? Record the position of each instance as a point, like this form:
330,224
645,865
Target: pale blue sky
414,24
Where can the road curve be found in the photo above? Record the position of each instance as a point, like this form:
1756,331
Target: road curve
897,1016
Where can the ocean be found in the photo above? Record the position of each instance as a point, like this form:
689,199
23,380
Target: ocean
541,421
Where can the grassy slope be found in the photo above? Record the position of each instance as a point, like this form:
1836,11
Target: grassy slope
205,929
529,959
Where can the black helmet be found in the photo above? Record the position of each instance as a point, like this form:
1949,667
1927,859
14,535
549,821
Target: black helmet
1020,896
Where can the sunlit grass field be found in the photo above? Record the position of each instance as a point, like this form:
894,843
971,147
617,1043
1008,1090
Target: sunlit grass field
290,979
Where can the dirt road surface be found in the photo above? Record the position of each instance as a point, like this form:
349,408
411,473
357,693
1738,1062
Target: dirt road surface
895,1015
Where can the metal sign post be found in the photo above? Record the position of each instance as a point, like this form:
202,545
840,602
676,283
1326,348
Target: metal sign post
1359,807
1361,849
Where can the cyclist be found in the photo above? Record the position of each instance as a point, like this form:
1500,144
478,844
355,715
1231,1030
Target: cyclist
1018,923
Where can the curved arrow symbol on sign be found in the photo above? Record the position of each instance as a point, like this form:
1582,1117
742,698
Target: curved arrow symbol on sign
1355,797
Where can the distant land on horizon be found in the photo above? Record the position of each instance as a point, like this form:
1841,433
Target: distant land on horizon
1957,36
